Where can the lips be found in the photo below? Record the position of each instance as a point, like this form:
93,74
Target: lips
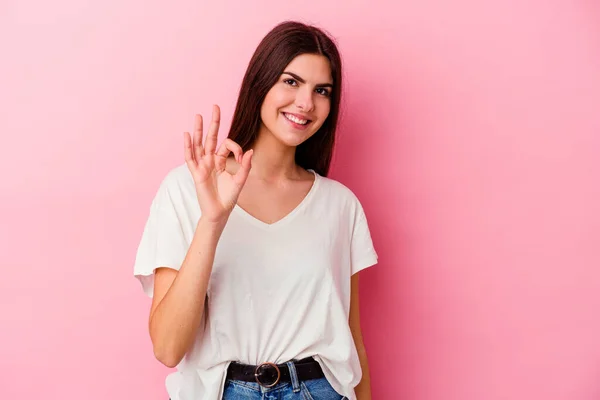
296,118
291,121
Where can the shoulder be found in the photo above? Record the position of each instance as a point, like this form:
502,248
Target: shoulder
177,177
339,196
177,187
337,189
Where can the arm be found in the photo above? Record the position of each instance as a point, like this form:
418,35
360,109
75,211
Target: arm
178,300
179,296
363,390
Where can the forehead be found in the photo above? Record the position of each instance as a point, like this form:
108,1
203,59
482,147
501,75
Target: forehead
313,68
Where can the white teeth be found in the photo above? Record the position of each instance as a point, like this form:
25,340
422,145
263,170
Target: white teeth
296,120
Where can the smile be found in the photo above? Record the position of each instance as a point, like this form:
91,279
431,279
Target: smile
295,119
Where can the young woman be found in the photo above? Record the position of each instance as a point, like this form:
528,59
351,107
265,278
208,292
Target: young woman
250,253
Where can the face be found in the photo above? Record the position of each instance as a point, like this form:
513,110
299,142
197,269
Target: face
297,105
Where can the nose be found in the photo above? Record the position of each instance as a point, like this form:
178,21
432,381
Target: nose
304,99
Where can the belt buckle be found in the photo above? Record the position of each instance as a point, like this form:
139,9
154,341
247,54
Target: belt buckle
258,371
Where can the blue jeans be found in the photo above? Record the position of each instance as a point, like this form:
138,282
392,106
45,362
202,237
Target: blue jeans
313,389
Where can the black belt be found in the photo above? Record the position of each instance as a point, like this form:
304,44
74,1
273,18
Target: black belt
269,374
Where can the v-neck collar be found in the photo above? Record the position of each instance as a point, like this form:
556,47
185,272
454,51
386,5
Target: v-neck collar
288,216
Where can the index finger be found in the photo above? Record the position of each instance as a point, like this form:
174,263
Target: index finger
211,138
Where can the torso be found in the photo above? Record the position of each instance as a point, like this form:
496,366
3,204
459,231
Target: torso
270,202
286,286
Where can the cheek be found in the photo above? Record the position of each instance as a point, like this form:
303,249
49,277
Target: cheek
324,109
268,107
276,98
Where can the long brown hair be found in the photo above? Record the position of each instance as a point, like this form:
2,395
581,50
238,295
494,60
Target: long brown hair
277,49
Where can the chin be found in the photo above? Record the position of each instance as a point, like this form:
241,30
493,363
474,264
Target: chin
291,140
294,138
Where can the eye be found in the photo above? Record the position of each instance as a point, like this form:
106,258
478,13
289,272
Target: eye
323,92
290,81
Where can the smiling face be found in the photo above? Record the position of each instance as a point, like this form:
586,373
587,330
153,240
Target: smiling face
298,104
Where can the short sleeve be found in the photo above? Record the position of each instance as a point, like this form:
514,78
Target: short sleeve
165,238
363,253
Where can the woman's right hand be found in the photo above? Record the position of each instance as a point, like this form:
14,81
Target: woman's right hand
217,189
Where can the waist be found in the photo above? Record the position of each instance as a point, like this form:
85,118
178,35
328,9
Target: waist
270,374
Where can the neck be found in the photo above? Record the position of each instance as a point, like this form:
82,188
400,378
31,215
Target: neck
273,160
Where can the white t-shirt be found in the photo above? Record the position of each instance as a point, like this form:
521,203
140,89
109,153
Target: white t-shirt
277,291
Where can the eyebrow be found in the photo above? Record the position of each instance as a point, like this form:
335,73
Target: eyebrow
299,79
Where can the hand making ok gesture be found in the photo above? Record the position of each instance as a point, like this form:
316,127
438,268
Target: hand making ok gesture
217,189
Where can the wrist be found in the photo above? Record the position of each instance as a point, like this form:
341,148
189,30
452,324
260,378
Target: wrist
214,226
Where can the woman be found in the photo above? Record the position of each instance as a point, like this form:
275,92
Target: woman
250,253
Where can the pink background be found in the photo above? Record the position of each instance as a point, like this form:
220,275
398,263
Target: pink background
471,135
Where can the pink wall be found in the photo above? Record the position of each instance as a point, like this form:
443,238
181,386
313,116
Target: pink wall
471,135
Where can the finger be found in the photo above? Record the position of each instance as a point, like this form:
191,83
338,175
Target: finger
242,173
187,147
229,146
211,138
198,150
